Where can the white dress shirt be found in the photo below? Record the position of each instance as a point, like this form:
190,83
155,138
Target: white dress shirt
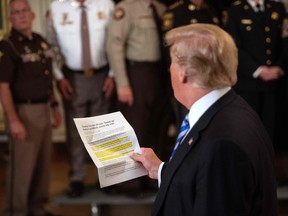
66,21
254,5
197,110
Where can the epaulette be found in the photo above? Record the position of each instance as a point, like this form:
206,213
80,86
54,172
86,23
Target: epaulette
176,4
238,2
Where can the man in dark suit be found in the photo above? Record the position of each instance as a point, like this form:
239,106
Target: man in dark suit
224,164
182,13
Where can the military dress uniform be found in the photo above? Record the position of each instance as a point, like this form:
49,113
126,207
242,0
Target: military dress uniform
25,63
88,98
258,36
184,12
181,13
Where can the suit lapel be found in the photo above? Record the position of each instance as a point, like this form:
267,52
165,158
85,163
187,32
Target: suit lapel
188,143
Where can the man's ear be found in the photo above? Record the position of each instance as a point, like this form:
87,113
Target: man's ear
182,76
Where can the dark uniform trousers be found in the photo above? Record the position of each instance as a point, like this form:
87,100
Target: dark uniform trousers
146,113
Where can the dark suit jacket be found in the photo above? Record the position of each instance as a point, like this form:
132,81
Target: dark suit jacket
223,167
259,41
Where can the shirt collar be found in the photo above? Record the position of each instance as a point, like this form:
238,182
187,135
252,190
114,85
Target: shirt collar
202,105
253,5
76,4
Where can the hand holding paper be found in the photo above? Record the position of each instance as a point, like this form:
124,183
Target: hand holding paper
109,140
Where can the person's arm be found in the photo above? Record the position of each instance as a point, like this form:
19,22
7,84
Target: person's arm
56,114
63,84
17,129
118,31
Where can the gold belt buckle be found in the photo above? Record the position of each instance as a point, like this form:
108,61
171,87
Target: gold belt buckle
89,72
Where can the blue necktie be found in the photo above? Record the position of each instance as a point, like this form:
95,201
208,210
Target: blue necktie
183,130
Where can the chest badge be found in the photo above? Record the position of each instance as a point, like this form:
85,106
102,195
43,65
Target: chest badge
274,15
44,45
101,15
65,20
190,141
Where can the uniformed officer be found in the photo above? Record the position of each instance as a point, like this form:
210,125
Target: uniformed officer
26,95
256,27
86,89
184,12
134,55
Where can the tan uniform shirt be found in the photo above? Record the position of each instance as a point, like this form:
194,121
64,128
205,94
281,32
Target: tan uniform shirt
132,34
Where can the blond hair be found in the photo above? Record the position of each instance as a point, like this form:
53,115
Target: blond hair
206,53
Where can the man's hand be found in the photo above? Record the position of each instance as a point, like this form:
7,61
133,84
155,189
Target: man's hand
125,95
108,87
18,130
57,118
65,88
270,73
149,160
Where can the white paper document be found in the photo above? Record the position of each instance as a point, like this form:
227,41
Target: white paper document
109,139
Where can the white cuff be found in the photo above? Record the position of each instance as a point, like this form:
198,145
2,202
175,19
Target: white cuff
57,72
257,72
159,173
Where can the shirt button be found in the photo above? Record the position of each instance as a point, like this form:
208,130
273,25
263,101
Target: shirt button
47,72
268,62
268,40
267,29
268,52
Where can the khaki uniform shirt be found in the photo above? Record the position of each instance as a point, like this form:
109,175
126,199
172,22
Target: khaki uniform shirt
132,35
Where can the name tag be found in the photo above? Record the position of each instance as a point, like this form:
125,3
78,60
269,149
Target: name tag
246,21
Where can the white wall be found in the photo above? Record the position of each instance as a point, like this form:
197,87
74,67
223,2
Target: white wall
40,8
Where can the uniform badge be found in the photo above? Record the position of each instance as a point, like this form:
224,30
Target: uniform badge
191,7
27,49
190,141
101,15
119,13
246,21
44,45
168,20
274,15
65,19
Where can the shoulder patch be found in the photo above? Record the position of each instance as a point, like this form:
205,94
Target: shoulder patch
168,21
236,3
176,4
119,13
